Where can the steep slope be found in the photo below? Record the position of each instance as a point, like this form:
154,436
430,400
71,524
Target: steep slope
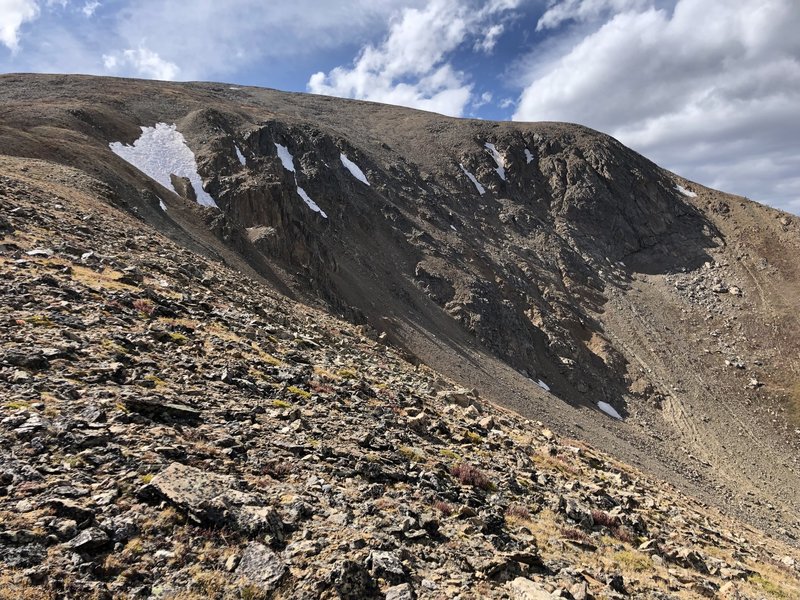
546,265
172,428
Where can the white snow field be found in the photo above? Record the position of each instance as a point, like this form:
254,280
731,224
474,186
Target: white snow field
528,157
240,156
543,385
161,151
286,157
501,164
353,168
288,163
609,410
471,177
685,192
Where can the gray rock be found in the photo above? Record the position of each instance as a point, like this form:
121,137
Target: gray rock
88,540
386,565
525,589
352,581
400,592
262,568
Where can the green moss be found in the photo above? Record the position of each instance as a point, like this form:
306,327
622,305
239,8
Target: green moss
40,321
299,392
770,588
412,454
447,453
473,437
15,404
281,404
178,338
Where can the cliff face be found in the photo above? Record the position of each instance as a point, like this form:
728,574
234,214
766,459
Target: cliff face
174,428
559,273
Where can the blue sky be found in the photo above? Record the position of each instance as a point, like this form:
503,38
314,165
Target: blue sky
707,88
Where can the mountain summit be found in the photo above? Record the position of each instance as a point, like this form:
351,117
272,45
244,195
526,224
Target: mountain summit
365,351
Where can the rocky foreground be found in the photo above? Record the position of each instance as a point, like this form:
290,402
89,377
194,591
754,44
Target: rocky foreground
173,429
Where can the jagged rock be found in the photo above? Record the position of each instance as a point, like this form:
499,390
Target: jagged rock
404,591
260,568
155,407
259,520
88,540
386,565
352,581
525,589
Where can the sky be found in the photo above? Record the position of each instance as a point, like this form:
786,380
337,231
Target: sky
709,89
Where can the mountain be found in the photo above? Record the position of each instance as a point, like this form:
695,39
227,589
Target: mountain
331,348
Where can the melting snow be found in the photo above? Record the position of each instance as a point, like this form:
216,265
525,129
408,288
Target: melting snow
240,156
286,158
478,186
501,165
161,151
609,410
353,168
288,163
161,205
528,157
685,192
311,204
543,385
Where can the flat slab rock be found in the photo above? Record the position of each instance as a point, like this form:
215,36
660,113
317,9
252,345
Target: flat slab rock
189,487
211,497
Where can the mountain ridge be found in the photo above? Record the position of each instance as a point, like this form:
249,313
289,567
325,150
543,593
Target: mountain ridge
585,270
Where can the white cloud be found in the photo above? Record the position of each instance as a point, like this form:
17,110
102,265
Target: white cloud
583,10
89,8
709,89
142,62
220,38
489,40
13,13
485,98
410,66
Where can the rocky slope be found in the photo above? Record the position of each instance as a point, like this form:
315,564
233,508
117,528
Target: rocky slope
559,274
174,429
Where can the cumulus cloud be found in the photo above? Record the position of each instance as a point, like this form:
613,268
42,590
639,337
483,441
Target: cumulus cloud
142,61
708,88
13,13
220,38
410,66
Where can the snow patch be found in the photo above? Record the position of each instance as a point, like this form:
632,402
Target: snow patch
161,205
471,177
353,168
543,385
311,204
288,163
240,156
162,151
685,192
286,157
528,157
453,228
609,410
501,164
